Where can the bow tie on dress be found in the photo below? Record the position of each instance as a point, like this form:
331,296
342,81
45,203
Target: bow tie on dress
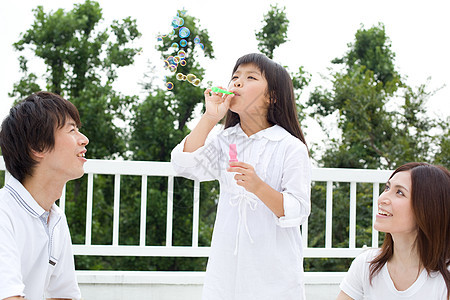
242,201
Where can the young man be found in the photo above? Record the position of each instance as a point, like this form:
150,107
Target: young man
42,149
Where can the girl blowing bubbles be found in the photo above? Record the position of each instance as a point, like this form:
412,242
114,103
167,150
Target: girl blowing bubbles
414,260
256,248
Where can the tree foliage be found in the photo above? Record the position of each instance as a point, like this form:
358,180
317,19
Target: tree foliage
372,48
159,123
81,62
271,36
383,123
274,32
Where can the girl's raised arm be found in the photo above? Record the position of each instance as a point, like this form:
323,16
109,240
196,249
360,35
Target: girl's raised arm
216,107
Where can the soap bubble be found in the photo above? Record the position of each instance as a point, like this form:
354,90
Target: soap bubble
180,76
166,64
177,22
184,32
178,57
171,60
201,46
191,77
181,54
172,68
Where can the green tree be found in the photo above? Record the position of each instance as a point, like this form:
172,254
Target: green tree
158,125
274,31
271,36
372,48
383,124
442,156
82,61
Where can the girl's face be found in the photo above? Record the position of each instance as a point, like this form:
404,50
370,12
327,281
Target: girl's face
250,88
395,213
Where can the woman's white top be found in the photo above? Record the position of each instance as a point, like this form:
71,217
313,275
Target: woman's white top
254,254
356,283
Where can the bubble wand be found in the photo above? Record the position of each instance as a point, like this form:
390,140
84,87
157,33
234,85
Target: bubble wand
233,153
218,90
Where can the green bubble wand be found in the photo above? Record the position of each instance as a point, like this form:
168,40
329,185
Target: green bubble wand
215,89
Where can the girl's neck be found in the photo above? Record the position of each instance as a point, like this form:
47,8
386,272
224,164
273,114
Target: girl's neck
253,124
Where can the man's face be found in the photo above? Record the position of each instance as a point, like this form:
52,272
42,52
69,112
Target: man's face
65,161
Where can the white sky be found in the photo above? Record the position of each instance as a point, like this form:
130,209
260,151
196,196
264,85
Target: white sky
319,31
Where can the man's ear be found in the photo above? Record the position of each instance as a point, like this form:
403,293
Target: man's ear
38,155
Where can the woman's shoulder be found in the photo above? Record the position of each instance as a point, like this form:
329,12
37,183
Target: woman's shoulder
367,255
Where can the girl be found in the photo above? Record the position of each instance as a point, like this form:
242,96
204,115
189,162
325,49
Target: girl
413,262
256,248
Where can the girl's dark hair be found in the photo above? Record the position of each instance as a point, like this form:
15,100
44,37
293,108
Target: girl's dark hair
282,109
430,202
30,126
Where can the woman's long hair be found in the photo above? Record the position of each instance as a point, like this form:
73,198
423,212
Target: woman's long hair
430,202
282,109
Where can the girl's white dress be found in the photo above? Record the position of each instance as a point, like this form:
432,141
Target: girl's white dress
254,254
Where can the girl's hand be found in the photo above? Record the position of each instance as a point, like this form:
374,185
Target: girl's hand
216,104
246,176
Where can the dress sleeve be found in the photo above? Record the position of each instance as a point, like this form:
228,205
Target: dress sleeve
353,282
11,283
296,186
63,282
202,164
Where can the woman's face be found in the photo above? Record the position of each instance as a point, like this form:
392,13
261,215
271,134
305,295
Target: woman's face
395,213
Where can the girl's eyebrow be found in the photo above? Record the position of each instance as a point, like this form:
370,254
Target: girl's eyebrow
248,72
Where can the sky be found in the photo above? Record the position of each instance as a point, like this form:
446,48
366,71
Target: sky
319,31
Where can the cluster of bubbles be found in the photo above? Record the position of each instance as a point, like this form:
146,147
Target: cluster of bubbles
191,78
172,62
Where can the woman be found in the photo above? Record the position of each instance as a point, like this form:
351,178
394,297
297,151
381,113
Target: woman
413,262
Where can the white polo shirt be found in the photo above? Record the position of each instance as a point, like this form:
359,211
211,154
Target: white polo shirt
36,258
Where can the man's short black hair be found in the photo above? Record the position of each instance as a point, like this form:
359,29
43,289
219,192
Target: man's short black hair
30,126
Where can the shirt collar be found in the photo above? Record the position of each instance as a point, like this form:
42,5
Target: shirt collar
24,198
273,133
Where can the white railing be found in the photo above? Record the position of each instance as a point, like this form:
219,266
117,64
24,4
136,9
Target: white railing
146,168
